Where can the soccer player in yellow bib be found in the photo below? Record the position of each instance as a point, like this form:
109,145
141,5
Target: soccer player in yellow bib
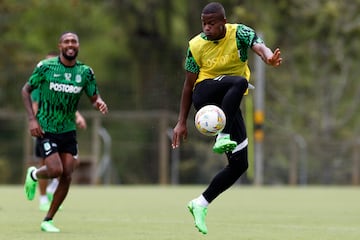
217,73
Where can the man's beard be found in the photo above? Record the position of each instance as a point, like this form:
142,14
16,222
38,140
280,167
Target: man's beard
70,58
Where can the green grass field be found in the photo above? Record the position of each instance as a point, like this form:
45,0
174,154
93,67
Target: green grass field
156,213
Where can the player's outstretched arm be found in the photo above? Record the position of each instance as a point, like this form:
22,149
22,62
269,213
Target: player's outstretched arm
271,58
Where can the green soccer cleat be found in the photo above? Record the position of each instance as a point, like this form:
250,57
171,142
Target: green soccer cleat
199,214
50,196
30,185
224,144
48,226
44,207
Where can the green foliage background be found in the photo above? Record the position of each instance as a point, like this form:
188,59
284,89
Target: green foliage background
137,48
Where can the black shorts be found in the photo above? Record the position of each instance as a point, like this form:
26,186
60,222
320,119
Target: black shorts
52,143
212,92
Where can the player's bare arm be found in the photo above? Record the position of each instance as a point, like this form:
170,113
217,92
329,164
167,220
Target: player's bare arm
99,104
180,130
34,126
269,57
80,120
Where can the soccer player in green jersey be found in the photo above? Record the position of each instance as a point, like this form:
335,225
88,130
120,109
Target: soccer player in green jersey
47,188
217,73
61,82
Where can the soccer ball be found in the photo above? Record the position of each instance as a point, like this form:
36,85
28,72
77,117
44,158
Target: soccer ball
210,120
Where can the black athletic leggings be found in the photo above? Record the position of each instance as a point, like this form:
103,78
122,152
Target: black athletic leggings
226,92
238,164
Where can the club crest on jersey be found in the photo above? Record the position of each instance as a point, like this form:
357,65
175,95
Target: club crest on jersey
67,76
78,78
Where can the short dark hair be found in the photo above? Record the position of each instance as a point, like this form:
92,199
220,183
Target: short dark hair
67,32
214,7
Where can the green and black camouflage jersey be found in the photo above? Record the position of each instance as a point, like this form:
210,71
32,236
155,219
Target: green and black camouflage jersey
60,89
245,38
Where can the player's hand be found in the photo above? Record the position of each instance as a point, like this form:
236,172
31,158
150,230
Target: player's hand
101,106
35,129
275,60
80,121
180,131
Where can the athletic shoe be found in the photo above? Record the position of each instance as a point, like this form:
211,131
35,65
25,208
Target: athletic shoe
224,144
50,196
44,207
30,184
199,214
48,226
51,188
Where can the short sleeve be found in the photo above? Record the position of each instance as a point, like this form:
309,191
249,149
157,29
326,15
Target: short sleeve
246,37
91,86
190,63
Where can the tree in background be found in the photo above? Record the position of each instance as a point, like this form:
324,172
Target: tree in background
136,48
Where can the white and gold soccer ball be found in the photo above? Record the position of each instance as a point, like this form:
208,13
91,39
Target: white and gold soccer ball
210,120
